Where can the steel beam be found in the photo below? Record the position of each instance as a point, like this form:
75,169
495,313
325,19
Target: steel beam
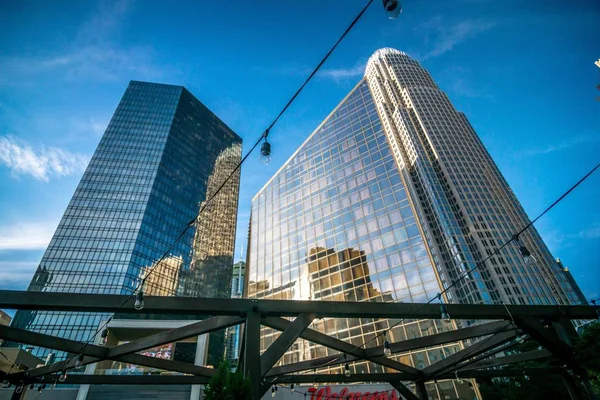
174,335
403,390
441,338
547,337
310,364
252,354
512,359
421,390
25,300
92,352
278,348
478,348
339,345
341,378
155,379
397,347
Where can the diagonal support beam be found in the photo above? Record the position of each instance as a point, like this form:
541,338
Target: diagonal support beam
441,338
174,335
478,348
397,347
92,352
284,341
317,337
512,359
404,391
547,337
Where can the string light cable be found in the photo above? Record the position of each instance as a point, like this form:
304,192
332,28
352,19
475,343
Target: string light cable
467,273
138,289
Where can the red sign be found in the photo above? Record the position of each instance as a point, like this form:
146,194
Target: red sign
324,393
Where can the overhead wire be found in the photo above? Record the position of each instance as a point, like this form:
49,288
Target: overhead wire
264,135
477,265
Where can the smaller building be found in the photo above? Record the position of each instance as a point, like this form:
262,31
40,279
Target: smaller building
232,344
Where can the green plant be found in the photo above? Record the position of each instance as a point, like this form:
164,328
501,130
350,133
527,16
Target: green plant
227,385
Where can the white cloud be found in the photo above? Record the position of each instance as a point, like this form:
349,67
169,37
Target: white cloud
560,146
343,73
43,163
27,235
16,275
445,35
92,55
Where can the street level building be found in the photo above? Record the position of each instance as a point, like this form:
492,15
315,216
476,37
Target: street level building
391,199
163,155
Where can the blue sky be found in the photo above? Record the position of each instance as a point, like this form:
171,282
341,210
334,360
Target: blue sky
522,72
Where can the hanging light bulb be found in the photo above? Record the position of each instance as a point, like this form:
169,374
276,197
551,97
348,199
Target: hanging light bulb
42,387
5,383
459,380
521,339
443,311
50,359
347,370
139,300
315,384
517,384
292,388
63,376
104,337
265,152
20,388
387,350
273,390
53,385
527,256
79,362
525,376
392,8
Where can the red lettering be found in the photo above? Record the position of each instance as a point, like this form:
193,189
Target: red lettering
393,396
320,394
312,391
343,394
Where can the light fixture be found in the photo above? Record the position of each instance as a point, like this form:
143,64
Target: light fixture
387,350
459,380
273,390
5,383
315,384
443,311
292,388
517,384
139,300
393,8
265,152
104,337
63,376
525,376
521,339
50,358
347,370
79,362
527,256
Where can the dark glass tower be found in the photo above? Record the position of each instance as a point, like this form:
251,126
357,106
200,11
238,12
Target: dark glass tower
162,156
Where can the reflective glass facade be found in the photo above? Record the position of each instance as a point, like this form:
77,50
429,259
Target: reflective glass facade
392,199
162,155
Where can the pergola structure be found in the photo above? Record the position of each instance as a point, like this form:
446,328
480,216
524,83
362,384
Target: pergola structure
549,326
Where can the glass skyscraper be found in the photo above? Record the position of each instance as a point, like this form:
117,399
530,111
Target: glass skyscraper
233,333
391,199
163,155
